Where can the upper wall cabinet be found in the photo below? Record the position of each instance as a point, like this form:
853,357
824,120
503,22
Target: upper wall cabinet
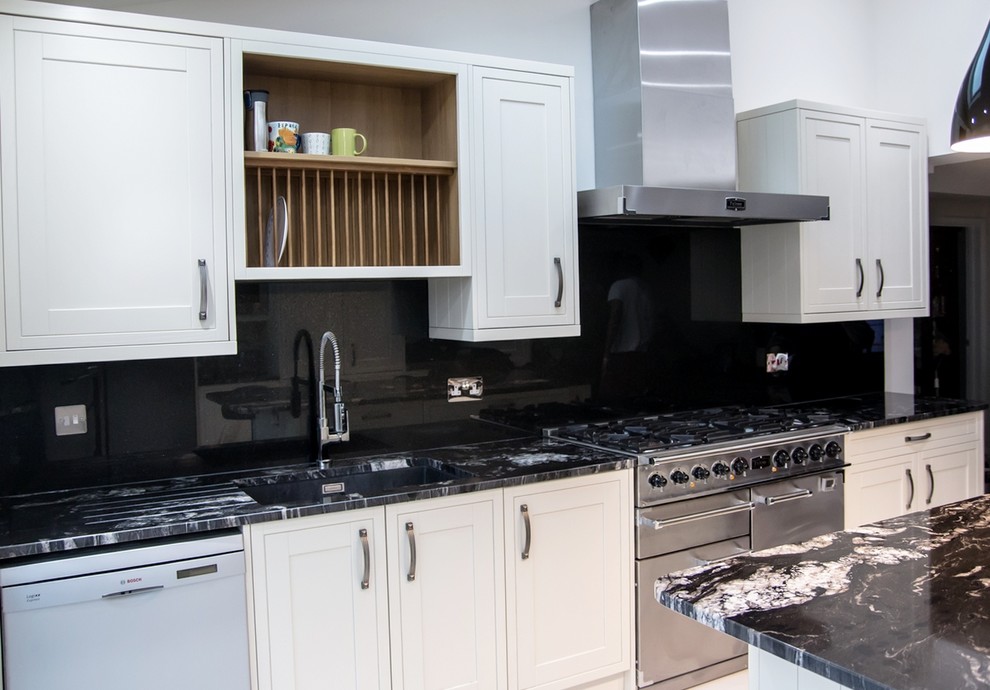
394,210
870,260
113,194
524,227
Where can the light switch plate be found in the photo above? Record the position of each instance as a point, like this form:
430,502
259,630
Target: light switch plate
70,419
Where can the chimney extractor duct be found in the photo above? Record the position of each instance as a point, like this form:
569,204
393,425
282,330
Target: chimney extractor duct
665,133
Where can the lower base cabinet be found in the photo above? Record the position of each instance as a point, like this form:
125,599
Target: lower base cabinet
899,469
567,566
429,594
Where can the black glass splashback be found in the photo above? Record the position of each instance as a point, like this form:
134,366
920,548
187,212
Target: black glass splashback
256,405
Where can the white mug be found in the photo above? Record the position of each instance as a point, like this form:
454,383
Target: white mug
316,142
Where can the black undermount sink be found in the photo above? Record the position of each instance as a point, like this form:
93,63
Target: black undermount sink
342,484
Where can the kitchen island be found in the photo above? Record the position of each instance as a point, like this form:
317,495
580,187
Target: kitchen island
903,603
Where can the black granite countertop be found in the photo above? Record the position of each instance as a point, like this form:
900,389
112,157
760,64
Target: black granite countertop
121,501
903,603
53,521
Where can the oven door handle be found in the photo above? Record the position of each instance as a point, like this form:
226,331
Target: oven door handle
709,561
804,493
718,512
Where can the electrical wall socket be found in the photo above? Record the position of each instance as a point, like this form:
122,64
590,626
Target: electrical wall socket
777,361
70,419
465,388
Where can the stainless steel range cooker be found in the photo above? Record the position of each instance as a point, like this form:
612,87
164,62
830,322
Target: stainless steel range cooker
712,484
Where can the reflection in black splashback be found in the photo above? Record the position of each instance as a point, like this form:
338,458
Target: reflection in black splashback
395,376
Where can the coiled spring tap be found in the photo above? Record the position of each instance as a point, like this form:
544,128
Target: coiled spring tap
339,431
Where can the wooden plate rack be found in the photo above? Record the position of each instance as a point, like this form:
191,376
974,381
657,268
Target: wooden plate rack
353,211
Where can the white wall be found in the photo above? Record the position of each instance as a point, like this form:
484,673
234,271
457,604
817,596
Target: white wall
904,56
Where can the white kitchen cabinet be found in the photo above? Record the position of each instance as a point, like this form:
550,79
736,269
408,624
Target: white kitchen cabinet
870,260
568,581
916,466
113,194
524,278
320,602
446,593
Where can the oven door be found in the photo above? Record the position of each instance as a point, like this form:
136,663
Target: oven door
791,511
669,644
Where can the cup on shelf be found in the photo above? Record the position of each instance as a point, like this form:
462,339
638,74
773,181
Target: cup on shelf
315,142
344,142
283,136
255,120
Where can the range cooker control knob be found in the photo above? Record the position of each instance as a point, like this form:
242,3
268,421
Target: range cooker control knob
799,456
816,452
833,449
657,481
781,458
740,465
679,477
700,472
720,469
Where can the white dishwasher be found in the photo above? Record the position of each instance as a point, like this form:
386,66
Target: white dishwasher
163,616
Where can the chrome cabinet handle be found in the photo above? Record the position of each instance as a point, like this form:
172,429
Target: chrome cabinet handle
366,578
911,482
804,493
717,512
880,268
524,509
411,575
912,439
862,277
204,282
560,281
931,484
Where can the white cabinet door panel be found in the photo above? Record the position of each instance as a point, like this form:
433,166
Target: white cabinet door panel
446,622
568,599
951,474
527,210
897,216
119,189
315,624
880,490
834,167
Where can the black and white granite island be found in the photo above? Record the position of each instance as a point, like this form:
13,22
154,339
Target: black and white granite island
901,604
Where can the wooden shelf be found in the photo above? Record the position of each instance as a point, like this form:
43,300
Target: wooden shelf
309,161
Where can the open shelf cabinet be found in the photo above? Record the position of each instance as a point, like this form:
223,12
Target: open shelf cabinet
390,212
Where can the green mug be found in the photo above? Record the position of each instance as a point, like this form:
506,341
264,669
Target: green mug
343,141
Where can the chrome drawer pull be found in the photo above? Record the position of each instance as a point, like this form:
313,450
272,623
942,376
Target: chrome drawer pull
412,552
366,578
805,493
862,277
912,439
524,509
911,483
560,282
718,512
880,269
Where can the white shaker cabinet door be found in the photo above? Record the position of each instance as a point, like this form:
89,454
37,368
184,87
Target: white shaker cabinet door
114,220
446,593
949,475
898,215
568,581
834,166
526,200
320,602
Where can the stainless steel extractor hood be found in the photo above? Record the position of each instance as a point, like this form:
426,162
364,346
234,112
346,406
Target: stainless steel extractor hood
665,134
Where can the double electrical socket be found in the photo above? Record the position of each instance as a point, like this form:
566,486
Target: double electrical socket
70,419
465,388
